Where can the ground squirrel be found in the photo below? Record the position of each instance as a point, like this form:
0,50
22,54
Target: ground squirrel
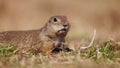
47,39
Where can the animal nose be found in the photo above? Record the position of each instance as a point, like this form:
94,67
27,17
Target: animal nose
65,25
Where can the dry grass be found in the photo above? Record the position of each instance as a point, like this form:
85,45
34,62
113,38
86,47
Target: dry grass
105,55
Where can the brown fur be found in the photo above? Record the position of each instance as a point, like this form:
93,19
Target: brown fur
45,39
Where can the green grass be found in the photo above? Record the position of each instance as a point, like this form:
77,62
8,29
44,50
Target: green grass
107,51
105,55
6,50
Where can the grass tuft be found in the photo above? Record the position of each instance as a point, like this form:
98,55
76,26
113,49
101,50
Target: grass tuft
6,50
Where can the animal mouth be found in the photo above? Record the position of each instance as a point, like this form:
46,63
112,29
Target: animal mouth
63,29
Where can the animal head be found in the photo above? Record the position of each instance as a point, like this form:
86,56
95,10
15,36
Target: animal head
59,24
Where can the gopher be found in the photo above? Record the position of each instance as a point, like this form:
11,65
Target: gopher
47,39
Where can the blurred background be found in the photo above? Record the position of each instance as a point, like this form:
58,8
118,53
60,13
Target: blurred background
83,15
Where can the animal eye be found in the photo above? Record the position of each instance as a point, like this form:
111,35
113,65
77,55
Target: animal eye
55,19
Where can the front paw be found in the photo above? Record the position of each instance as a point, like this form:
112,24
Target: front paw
67,50
56,50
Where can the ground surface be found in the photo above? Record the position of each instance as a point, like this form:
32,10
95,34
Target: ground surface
105,56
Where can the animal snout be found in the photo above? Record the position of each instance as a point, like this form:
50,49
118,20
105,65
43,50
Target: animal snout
65,25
